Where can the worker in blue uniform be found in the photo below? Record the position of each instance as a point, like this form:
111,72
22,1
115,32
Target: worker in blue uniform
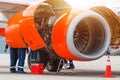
13,58
17,54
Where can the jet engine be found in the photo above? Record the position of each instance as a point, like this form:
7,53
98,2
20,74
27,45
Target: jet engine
86,36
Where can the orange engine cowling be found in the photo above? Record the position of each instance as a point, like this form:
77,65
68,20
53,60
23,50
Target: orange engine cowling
21,32
81,35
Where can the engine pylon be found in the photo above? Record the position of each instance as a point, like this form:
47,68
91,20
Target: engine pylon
108,72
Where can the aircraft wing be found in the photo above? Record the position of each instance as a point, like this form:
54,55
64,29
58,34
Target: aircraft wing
7,9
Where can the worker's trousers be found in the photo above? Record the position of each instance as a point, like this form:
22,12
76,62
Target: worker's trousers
13,58
21,57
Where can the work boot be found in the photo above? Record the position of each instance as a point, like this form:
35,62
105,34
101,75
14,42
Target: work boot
71,66
20,70
13,70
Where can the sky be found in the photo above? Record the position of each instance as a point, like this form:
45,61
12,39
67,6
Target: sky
80,3
90,3
112,4
21,1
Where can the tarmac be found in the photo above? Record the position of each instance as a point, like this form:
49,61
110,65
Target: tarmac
90,70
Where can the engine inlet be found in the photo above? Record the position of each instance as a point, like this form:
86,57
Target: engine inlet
88,36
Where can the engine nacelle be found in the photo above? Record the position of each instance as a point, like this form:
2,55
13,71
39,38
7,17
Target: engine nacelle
81,35
86,35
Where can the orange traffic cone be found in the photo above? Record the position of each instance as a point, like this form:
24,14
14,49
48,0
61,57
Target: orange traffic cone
108,73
